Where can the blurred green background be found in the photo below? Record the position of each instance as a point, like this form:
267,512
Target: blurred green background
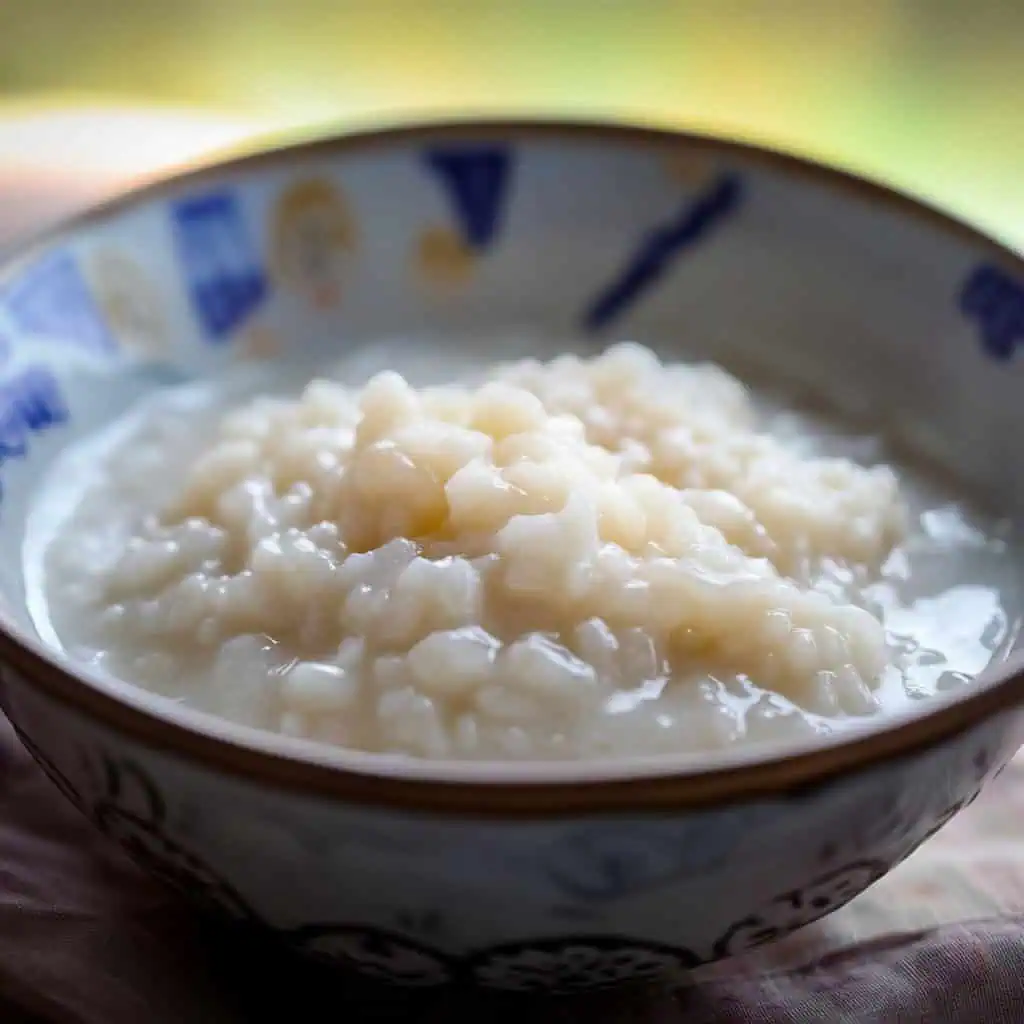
926,94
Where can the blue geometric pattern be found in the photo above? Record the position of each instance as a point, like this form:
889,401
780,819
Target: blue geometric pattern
30,403
659,249
50,299
996,301
476,180
222,270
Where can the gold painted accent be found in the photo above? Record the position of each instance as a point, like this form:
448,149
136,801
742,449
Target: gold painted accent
257,342
130,303
443,258
313,234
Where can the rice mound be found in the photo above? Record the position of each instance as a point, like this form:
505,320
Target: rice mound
579,558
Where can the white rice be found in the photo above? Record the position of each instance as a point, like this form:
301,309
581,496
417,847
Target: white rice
565,560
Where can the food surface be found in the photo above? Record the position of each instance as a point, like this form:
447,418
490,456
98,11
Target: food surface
581,558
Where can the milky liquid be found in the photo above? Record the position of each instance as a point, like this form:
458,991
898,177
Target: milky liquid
950,596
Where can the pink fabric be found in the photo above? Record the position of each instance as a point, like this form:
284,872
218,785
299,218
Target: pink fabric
86,939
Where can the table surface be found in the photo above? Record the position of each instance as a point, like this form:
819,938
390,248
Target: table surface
973,869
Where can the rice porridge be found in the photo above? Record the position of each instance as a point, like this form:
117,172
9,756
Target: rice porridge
579,558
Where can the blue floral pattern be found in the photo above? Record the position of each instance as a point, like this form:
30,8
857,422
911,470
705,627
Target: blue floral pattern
604,862
375,953
138,827
792,910
576,964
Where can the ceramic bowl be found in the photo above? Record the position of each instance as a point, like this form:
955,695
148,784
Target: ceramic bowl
514,877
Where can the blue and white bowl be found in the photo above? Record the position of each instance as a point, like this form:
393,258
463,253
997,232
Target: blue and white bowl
513,876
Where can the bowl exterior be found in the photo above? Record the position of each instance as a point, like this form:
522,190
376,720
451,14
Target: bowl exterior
550,903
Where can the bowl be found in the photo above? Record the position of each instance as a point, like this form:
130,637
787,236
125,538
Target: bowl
529,876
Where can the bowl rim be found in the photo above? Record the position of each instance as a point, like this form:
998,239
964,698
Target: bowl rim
494,789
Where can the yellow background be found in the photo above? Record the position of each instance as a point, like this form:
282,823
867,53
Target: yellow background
927,94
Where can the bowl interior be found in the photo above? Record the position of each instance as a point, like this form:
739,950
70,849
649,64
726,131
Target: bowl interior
700,248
